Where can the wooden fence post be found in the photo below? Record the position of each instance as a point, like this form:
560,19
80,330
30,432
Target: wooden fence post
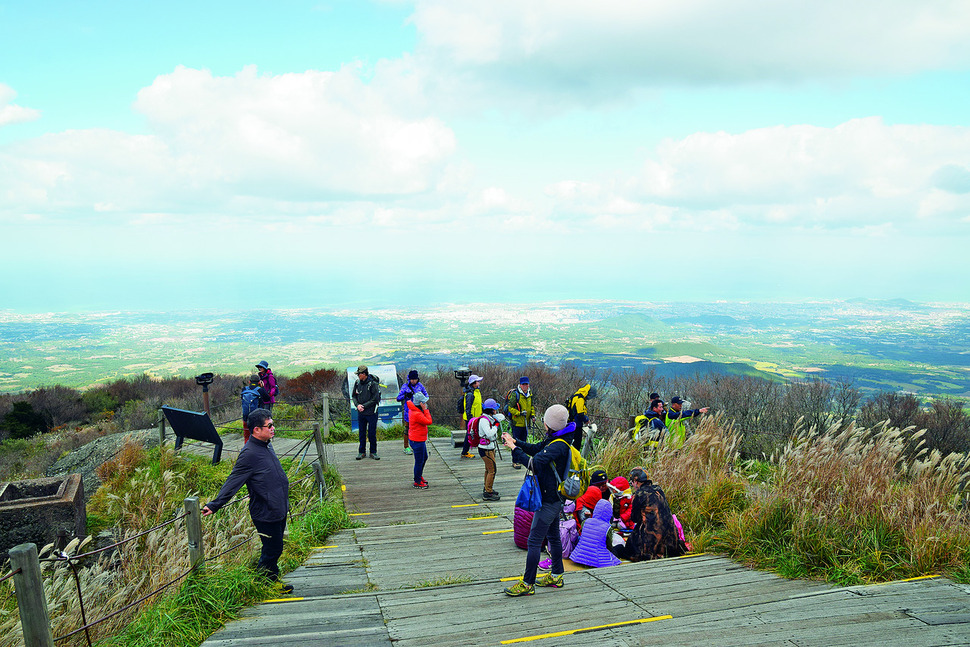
193,525
161,428
31,600
318,441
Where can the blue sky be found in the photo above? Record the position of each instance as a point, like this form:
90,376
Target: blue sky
185,155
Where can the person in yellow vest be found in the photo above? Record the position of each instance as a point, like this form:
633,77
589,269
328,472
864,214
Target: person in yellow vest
473,409
676,420
520,412
577,412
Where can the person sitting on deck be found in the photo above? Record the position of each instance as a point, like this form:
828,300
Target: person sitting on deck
591,549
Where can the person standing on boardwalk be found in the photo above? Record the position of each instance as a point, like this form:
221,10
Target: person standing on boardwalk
366,396
412,386
418,420
487,426
520,411
578,412
549,458
259,469
252,397
473,409
268,382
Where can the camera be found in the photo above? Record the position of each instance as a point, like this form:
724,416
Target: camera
205,379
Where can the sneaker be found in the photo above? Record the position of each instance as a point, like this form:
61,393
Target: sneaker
375,457
516,466
555,581
467,455
545,564
520,588
360,455
421,485
284,588
408,451
424,482
491,496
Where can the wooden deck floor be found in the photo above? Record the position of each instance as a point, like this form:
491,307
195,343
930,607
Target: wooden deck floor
383,584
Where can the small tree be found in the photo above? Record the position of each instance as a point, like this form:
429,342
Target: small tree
23,422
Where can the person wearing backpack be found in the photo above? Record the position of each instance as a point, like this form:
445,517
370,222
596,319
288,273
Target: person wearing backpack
549,459
366,396
269,383
652,425
483,433
252,397
417,435
473,409
654,534
520,412
577,412
405,395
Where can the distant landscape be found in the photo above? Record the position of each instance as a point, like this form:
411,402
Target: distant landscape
893,345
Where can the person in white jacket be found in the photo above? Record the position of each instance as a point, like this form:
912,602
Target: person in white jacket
488,426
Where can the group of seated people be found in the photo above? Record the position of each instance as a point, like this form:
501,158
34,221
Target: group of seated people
622,518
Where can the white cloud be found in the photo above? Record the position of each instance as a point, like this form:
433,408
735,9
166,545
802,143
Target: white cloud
235,143
590,47
862,173
11,113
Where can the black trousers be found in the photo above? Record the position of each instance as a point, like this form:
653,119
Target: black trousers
271,534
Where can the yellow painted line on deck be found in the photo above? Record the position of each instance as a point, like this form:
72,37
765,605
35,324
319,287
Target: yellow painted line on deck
689,555
465,505
511,579
495,532
584,629
283,600
491,516
319,547
343,488
909,579
358,514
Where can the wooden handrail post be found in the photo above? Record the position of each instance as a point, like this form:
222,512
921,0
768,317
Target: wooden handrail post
193,526
318,441
31,601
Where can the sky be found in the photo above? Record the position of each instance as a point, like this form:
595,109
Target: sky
161,156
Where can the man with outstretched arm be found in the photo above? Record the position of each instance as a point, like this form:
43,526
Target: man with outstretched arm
259,469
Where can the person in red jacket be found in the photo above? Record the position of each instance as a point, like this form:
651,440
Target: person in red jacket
419,417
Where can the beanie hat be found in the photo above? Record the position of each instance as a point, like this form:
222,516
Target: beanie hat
556,417
419,398
599,476
254,379
412,374
490,404
620,483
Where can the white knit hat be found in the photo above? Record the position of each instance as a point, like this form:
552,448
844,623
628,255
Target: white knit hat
556,417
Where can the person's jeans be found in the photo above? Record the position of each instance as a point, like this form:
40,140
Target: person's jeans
545,527
420,450
368,432
271,534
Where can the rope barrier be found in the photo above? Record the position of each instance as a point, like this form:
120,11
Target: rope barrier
11,574
123,541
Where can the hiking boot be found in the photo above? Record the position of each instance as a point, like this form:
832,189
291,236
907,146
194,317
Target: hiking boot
408,451
491,496
375,457
516,466
555,581
520,588
421,485
545,564
467,455
284,588
360,455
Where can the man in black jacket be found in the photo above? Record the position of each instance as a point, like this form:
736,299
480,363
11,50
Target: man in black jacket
546,456
259,469
366,396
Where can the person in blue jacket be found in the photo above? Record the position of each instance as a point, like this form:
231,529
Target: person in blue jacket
260,471
405,395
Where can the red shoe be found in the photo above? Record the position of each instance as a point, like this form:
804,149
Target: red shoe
423,482
421,485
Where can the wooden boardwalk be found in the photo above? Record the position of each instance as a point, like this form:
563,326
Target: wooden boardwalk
385,583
